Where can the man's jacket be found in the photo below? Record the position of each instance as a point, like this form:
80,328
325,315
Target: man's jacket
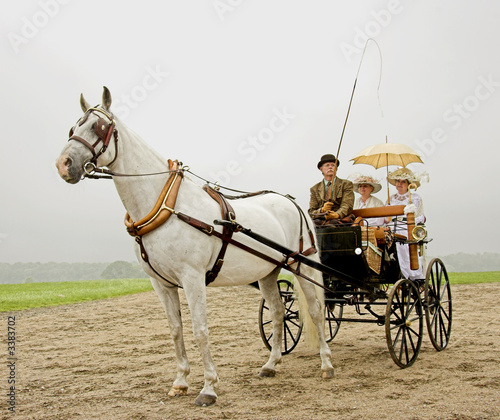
342,197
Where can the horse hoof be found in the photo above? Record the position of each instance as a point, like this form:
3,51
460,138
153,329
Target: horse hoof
327,374
204,400
267,373
177,391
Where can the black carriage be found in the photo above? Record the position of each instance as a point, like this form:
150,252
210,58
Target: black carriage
361,269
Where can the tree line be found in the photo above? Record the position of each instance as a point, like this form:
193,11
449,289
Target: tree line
462,262
51,271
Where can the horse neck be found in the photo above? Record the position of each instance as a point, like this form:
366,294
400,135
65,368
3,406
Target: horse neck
138,194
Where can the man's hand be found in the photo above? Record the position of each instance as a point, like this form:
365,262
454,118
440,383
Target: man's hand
326,207
331,215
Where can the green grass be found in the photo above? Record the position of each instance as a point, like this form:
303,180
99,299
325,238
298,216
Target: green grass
470,278
16,297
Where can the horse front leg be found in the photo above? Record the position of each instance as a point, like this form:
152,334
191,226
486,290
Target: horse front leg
169,298
269,289
196,297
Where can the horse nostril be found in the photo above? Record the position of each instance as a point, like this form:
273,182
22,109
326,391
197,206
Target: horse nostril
68,162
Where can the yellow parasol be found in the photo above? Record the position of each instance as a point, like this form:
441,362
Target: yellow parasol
387,154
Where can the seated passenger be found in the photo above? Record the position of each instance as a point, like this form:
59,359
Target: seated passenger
366,186
332,197
401,179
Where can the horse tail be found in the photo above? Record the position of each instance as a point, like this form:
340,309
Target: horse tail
309,294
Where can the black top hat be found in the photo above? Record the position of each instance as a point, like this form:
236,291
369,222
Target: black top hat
328,158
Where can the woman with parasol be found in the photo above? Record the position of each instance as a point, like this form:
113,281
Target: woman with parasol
402,179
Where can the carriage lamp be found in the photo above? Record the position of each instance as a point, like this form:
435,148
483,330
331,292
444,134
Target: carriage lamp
419,233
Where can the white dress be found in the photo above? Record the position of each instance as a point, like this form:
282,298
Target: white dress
401,228
370,202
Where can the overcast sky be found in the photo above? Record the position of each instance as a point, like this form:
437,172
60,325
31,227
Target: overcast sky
202,81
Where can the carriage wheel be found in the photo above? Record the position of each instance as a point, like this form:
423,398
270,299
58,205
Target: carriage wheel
437,302
404,323
333,312
292,325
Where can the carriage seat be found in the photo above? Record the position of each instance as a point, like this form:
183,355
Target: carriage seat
384,211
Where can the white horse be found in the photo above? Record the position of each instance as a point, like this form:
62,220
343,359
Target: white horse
180,255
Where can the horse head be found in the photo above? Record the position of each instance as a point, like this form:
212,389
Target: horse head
89,143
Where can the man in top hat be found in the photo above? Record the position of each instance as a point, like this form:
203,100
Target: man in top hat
333,197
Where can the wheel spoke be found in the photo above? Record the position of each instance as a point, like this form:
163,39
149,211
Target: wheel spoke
403,323
292,326
438,311
289,333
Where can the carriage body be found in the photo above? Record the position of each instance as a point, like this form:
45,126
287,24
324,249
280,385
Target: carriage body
354,250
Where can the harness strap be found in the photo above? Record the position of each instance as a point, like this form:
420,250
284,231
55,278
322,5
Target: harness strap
227,213
209,230
145,258
299,209
89,146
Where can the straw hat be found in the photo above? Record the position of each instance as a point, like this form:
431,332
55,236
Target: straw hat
364,179
403,173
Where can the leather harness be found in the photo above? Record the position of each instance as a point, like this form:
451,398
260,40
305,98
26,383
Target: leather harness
165,207
228,214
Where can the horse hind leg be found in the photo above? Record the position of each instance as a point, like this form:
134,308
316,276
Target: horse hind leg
314,297
169,298
269,289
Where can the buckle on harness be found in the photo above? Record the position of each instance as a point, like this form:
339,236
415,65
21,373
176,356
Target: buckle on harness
208,231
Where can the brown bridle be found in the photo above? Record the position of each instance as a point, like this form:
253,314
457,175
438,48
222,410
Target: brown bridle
103,130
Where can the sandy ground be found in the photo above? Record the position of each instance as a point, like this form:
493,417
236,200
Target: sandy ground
113,359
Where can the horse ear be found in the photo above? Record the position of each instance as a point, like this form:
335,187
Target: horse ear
106,98
83,103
